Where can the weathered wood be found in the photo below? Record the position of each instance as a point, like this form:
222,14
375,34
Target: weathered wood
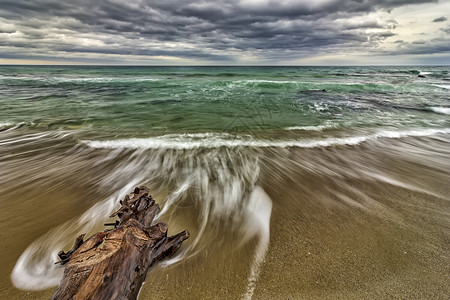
113,264
65,256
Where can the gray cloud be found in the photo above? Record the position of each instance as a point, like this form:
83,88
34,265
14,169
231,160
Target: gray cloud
440,19
192,29
429,49
446,30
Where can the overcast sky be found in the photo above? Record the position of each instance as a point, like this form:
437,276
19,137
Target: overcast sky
225,32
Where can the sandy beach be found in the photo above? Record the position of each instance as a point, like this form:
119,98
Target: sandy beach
378,228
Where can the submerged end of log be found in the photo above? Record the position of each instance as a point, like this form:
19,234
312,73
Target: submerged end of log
113,264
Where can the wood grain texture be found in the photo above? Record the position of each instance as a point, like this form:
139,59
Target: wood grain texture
113,264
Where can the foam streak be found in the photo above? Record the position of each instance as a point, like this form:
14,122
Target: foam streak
258,212
212,140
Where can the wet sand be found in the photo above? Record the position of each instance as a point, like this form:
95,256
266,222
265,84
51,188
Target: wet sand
395,246
328,255
351,222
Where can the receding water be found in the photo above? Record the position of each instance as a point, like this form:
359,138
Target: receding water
288,191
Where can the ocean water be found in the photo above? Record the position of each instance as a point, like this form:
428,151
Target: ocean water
289,179
158,100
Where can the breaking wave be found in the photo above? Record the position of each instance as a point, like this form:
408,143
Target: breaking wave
217,140
51,79
443,86
221,185
441,110
309,128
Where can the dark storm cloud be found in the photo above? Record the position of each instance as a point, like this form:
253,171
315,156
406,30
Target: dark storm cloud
440,45
429,49
446,30
440,19
211,30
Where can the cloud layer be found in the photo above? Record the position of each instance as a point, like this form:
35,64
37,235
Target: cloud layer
223,32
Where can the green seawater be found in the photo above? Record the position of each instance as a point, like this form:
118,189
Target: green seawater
148,101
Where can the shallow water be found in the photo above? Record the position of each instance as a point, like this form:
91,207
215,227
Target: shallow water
288,193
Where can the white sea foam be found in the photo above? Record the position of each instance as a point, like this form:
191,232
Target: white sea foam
220,192
26,138
443,86
269,81
225,197
82,79
104,79
5,124
217,140
35,269
296,82
309,128
257,219
12,125
441,110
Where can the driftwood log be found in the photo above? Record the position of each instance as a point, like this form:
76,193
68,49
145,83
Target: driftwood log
113,264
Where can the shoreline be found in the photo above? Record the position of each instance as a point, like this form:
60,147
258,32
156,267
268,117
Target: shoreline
355,221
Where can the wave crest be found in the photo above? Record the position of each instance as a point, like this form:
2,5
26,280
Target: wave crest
218,140
441,110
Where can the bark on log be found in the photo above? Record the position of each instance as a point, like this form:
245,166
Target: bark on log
113,264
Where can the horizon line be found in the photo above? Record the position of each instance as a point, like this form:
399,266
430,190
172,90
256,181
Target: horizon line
132,65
